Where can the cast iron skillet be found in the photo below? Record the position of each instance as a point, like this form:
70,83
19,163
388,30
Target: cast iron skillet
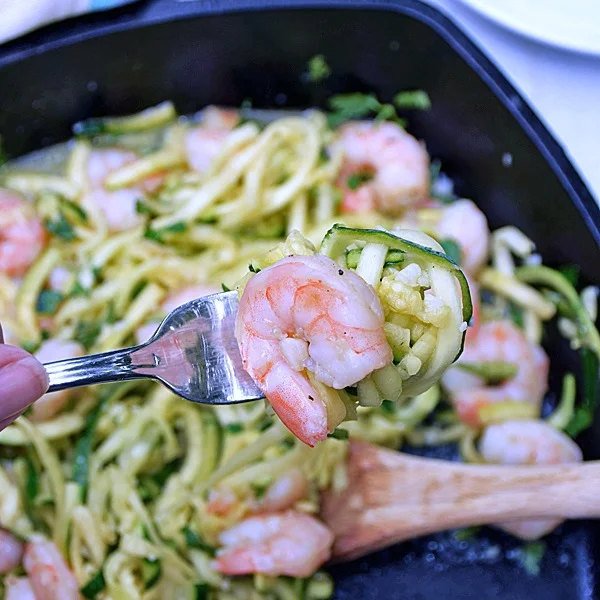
227,51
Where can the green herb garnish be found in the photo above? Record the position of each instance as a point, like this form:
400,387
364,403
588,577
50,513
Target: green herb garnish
453,250
48,302
158,235
531,556
318,69
413,100
61,228
346,107
195,540
339,434
357,179
94,586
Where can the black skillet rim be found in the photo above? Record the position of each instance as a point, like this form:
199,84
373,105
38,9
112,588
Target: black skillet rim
153,12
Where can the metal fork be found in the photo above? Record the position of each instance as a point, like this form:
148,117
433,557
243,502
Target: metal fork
193,352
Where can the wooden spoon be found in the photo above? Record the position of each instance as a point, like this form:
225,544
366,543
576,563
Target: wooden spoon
392,497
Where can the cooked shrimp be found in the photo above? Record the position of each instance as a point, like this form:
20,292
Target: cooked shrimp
305,313
18,588
22,234
173,301
397,164
289,543
215,117
11,552
284,492
49,575
119,206
52,350
464,223
528,442
221,502
505,342
204,142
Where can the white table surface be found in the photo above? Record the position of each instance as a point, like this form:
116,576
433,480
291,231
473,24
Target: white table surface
563,87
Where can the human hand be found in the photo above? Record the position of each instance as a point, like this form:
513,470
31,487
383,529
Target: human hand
22,381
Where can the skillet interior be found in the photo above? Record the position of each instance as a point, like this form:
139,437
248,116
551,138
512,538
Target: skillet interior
121,62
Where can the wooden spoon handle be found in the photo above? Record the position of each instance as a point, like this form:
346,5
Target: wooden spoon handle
393,497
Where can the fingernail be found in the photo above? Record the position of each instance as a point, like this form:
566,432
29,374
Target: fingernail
21,383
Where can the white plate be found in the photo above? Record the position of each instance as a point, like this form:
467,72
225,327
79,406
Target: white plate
572,24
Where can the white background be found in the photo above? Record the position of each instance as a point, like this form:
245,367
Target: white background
563,87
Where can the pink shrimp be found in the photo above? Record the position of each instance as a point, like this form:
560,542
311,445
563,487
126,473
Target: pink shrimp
50,404
22,234
203,143
11,552
505,342
306,313
18,588
48,573
395,164
289,543
528,442
464,223
117,206
284,492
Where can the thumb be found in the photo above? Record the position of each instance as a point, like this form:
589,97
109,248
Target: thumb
22,381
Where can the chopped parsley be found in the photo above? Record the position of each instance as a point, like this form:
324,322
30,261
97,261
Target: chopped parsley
531,556
48,302
339,434
413,100
453,250
60,227
158,235
318,69
357,179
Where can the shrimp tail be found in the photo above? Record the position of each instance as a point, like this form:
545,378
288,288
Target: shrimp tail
241,561
307,422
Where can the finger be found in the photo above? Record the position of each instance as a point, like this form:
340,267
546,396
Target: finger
6,422
22,381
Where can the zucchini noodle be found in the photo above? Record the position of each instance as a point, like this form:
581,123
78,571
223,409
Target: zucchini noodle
125,479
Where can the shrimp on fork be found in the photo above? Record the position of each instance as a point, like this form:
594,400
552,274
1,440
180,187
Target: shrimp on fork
22,234
305,313
289,543
394,164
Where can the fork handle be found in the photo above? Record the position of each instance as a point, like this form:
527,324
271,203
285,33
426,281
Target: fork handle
107,367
